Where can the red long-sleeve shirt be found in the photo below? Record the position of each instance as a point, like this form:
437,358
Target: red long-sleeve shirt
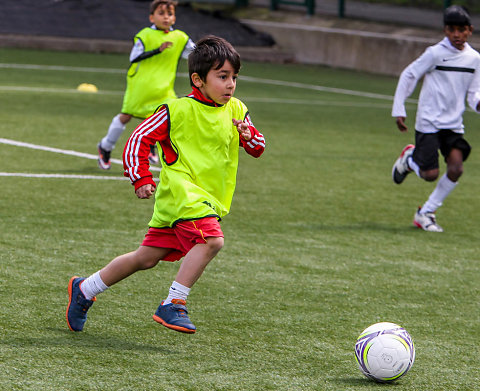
157,129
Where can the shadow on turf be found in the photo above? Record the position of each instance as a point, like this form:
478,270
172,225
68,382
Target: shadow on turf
62,337
359,383
365,226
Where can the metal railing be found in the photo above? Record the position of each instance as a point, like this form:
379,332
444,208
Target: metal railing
341,6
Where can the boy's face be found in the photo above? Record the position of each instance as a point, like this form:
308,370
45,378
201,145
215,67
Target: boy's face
163,17
458,35
219,85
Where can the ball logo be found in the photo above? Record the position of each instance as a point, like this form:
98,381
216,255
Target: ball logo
387,358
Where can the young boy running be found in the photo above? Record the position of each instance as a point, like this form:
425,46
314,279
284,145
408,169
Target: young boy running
451,71
200,137
151,77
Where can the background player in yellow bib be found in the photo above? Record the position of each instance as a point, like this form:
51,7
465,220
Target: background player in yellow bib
200,136
151,77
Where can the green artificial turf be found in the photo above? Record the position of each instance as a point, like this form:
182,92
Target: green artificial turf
319,243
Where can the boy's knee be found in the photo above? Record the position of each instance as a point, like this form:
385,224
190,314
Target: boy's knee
145,260
147,263
429,175
455,172
124,118
215,244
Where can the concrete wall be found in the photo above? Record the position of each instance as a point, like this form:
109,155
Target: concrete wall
67,44
351,49
257,53
375,52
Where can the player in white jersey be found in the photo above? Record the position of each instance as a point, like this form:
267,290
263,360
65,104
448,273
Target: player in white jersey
451,72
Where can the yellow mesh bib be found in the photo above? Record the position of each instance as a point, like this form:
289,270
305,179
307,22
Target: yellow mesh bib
201,181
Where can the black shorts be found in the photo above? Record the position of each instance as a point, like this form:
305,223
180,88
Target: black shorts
428,144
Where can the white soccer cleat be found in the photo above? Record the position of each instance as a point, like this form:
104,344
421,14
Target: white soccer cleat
400,169
426,221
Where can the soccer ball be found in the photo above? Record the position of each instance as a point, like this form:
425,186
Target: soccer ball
384,352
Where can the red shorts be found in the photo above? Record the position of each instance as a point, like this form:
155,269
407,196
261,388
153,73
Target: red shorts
183,236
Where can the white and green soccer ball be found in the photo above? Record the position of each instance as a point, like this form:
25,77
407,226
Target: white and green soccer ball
384,352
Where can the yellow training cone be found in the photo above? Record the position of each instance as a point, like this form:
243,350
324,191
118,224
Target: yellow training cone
85,87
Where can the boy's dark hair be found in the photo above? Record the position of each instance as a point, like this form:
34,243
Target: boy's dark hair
157,3
456,15
211,52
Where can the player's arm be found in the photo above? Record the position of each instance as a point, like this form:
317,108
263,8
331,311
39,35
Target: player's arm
190,45
473,93
473,99
138,52
136,151
406,85
250,138
400,121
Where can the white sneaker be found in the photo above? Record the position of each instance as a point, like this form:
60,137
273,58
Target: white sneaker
426,221
400,169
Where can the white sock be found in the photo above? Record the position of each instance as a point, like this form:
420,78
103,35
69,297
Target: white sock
443,189
413,166
114,132
177,291
92,286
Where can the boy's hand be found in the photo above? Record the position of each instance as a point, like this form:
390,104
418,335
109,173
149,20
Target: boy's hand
242,128
145,191
165,45
401,124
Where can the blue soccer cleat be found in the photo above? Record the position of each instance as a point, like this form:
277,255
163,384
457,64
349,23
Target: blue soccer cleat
174,316
78,305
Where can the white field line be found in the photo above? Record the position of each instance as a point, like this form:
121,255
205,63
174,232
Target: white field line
61,176
314,102
56,90
317,102
305,86
185,75
180,74
61,151
62,68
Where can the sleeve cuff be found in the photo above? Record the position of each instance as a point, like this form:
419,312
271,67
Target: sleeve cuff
144,181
